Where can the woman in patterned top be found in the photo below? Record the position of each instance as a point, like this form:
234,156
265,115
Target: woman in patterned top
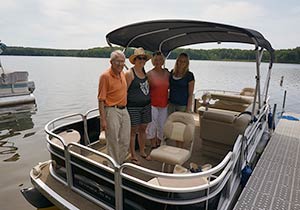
138,101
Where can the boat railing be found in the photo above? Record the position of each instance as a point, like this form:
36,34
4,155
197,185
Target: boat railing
250,131
217,177
213,180
56,123
111,167
224,168
85,125
254,132
51,134
219,181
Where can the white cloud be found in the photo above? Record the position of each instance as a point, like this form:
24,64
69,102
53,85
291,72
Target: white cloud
84,23
237,12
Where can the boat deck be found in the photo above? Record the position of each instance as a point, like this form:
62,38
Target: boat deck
275,181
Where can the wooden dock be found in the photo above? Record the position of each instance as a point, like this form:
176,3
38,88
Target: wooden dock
275,181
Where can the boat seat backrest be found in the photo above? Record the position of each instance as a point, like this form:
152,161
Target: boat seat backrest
222,126
230,105
231,102
177,146
179,127
238,103
13,77
248,91
233,98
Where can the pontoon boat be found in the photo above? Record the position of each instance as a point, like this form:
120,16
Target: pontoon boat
227,136
15,90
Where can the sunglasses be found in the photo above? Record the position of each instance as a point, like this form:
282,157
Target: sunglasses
141,58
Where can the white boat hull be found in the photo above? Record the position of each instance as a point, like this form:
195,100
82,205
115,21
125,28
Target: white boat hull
17,100
17,104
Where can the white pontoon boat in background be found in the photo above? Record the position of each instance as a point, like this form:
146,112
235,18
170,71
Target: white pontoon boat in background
15,90
227,137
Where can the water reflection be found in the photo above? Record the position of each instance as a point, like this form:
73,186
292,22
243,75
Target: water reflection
11,124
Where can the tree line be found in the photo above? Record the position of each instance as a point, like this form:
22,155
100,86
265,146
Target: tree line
281,56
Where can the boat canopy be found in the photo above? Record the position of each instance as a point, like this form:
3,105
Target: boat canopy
167,35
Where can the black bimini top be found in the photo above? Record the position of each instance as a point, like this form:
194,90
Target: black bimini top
167,35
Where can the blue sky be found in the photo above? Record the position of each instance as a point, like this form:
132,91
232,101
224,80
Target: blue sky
81,24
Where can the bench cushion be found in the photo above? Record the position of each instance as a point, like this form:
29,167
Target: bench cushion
222,126
69,136
233,98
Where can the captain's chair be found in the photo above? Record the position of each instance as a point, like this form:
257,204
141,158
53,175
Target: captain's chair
179,129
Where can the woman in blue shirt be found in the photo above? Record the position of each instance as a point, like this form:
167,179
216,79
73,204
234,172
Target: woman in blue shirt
182,83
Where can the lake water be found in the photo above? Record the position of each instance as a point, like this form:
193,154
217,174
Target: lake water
69,85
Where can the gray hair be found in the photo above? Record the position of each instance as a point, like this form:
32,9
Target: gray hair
117,53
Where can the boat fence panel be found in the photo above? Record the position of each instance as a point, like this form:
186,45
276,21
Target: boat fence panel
184,191
97,182
98,178
89,177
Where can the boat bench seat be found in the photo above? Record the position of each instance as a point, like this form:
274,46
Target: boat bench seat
233,98
178,183
222,126
69,136
238,103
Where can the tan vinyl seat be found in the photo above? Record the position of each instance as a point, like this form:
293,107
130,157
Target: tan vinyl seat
225,101
179,127
69,136
247,91
222,126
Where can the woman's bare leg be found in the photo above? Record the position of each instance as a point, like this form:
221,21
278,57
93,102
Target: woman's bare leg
132,142
142,139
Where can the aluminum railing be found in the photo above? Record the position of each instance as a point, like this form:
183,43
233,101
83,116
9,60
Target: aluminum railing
221,179
225,168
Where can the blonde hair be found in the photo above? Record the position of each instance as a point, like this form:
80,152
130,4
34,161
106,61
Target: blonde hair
186,68
155,54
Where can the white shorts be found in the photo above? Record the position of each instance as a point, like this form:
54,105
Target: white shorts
156,126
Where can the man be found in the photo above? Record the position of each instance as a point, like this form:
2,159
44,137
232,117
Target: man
114,117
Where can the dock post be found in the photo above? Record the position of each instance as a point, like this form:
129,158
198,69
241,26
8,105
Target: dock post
273,117
283,103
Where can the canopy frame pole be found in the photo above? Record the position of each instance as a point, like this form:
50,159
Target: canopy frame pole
268,82
145,34
258,62
168,39
259,53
